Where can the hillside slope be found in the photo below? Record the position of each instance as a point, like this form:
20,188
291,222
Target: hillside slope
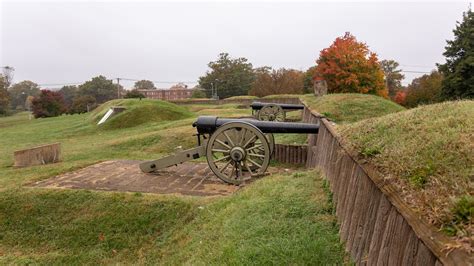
350,107
429,154
139,112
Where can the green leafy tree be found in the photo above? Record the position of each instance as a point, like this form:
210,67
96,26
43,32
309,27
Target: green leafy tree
4,97
69,92
101,88
282,81
228,76
459,67
424,90
48,104
393,76
198,93
308,81
134,94
82,104
144,85
20,91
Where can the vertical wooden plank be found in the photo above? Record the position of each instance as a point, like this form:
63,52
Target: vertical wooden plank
292,154
392,228
424,255
349,203
411,249
399,243
368,223
382,215
349,170
357,212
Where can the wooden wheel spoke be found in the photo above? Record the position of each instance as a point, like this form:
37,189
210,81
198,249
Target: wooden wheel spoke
251,140
257,155
228,138
255,163
220,150
242,138
254,147
231,172
223,158
225,166
248,168
223,144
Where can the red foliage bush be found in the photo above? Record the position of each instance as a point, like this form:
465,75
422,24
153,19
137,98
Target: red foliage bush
48,104
400,97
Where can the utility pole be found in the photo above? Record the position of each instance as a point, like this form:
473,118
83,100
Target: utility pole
212,89
118,88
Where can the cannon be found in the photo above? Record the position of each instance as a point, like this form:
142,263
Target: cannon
272,111
236,149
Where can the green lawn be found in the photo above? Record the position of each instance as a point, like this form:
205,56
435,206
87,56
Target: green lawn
283,218
350,107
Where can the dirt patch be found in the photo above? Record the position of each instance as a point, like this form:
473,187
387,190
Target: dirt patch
124,175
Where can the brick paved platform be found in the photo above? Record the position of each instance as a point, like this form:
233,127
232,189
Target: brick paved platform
124,175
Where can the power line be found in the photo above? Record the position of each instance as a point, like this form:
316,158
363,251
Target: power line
416,66
60,84
154,81
125,79
418,72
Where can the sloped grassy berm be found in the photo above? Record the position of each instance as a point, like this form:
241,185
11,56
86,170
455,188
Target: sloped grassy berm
139,112
282,219
429,153
351,107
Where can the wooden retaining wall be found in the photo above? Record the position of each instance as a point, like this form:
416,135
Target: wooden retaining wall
290,154
38,155
375,224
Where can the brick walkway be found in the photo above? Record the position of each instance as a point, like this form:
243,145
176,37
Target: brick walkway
124,175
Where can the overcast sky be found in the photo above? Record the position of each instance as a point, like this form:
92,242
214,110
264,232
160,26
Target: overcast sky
67,42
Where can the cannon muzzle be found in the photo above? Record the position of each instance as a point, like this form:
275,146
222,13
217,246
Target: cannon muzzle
284,106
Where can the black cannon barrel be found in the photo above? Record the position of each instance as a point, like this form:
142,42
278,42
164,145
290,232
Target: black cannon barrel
209,124
284,106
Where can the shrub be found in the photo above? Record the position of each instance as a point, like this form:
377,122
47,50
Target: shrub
198,94
424,90
82,104
48,104
134,94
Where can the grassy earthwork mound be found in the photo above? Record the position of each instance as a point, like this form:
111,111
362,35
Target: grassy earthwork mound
351,107
429,153
139,112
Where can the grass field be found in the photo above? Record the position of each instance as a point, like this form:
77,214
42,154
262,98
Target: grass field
351,107
429,153
281,219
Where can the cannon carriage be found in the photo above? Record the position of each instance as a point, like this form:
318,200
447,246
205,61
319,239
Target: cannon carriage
273,111
236,149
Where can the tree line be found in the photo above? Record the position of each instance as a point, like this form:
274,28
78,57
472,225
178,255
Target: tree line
347,65
70,99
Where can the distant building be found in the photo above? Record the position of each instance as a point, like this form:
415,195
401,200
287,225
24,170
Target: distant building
176,92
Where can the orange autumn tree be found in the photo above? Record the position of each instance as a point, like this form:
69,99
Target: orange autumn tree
349,66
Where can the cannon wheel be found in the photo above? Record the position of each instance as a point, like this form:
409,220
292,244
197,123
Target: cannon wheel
245,147
272,112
